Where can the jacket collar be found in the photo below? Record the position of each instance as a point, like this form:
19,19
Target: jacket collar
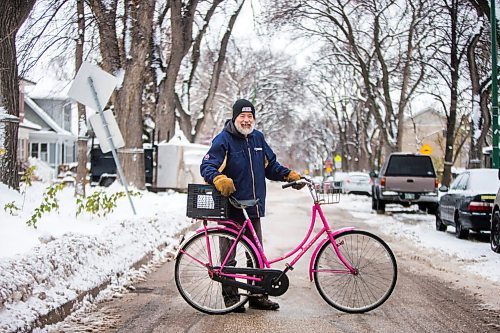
231,128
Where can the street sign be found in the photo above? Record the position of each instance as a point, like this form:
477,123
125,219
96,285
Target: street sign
338,161
101,134
93,88
426,149
104,83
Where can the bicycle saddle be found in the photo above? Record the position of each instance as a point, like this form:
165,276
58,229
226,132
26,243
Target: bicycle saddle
242,203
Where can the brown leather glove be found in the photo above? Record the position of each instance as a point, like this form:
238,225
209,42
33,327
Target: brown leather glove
293,176
224,185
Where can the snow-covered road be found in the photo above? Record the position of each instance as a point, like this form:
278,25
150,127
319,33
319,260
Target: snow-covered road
45,268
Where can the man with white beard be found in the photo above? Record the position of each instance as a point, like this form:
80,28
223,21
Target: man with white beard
238,163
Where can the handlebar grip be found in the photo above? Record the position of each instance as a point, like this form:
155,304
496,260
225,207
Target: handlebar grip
288,184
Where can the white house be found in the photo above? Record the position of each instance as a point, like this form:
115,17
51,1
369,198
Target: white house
49,120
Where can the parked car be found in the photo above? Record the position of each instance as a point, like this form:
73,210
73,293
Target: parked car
337,180
320,184
405,179
467,204
358,183
495,223
326,184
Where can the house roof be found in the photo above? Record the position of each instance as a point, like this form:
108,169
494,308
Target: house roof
29,124
45,117
49,88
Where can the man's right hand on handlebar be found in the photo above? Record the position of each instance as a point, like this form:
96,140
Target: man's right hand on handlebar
294,176
224,185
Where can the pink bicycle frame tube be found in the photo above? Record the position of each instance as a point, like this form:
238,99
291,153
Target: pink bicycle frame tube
331,236
234,231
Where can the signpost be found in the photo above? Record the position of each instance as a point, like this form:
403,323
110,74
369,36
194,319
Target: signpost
93,87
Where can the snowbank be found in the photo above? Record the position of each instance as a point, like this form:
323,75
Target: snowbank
65,255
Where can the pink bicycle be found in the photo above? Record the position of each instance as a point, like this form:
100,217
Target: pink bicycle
353,270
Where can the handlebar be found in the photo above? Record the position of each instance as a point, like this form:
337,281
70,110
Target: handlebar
302,180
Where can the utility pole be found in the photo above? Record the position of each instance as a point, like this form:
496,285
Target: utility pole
494,85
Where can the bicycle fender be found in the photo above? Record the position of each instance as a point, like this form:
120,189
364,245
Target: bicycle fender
320,245
201,230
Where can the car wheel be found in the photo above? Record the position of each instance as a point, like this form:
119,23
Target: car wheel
460,231
380,207
440,226
432,209
495,232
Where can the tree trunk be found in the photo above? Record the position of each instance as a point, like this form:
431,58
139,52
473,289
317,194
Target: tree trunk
81,169
129,98
208,103
452,116
182,17
476,152
12,15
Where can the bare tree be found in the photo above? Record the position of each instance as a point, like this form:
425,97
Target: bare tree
453,25
479,64
383,41
175,91
12,15
125,35
335,86
182,14
275,85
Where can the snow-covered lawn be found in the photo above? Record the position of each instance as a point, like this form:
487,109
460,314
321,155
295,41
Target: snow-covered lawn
43,268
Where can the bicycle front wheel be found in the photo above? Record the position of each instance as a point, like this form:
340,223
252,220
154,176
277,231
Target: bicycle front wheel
192,271
371,284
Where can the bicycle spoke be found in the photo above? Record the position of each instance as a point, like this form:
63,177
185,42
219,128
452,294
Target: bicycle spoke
193,279
373,282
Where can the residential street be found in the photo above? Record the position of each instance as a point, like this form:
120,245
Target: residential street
429,296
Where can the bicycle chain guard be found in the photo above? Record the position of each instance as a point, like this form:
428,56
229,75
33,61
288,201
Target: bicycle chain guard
276,285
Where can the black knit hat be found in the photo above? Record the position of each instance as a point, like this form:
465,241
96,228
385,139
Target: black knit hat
242,105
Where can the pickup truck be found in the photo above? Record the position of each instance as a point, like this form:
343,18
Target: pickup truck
406,179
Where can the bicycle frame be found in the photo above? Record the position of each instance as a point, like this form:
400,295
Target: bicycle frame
300,250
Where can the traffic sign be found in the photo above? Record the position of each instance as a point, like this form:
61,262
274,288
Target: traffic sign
338,161
426,149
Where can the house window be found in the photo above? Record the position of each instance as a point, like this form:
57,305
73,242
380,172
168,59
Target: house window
21,150
43,152
34,150
70,154
67,117
52,154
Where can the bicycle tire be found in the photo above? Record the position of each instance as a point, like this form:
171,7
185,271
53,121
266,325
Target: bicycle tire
362,292
193,281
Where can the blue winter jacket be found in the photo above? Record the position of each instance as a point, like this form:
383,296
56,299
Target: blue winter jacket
248,161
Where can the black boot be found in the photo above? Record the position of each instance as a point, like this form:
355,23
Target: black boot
262,303
230,301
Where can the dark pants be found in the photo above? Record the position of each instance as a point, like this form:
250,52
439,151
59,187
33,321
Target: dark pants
225,246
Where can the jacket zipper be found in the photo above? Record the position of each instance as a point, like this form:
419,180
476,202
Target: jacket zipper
253,178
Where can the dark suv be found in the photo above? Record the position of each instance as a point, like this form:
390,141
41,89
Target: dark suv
406,179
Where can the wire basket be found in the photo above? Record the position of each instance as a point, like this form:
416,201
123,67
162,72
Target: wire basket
326,193
204,201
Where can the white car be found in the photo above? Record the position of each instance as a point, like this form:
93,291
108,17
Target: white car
358,183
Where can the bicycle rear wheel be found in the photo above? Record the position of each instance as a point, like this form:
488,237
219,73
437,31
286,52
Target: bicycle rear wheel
192,277
375,278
